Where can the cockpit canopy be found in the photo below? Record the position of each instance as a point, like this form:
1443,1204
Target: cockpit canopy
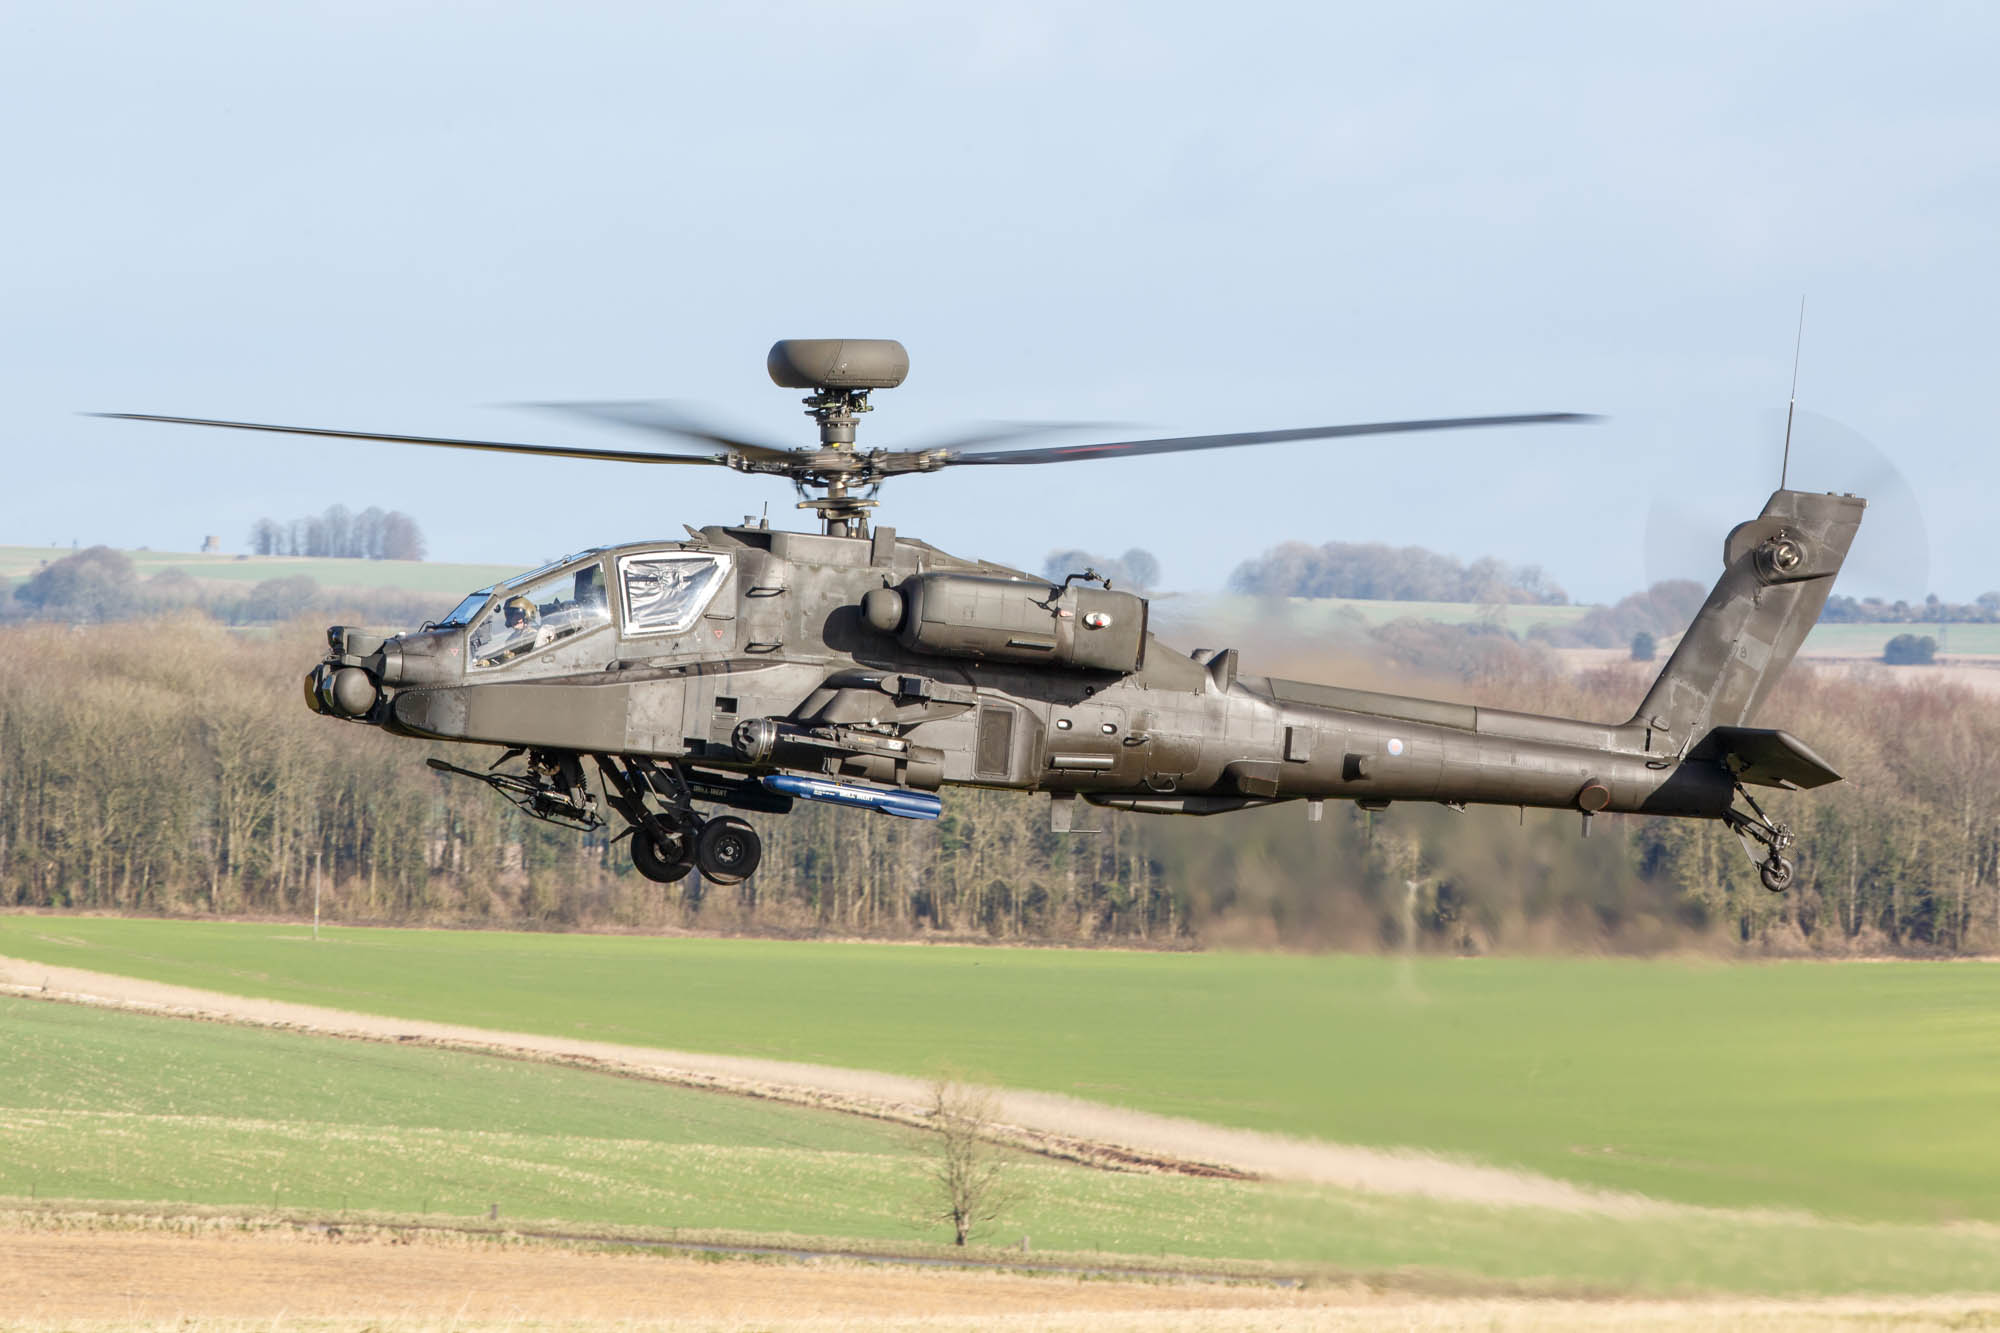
660,592
537,610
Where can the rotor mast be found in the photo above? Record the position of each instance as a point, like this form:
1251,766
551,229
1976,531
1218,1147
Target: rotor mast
840,372
841,514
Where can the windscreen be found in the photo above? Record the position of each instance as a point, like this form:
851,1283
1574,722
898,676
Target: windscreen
463,613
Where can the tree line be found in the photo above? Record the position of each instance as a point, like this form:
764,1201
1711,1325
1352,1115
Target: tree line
340,533
173,769
98,584
1665,609
1374,571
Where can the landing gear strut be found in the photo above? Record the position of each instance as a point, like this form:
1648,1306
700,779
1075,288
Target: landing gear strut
673,839
1759,831
669,838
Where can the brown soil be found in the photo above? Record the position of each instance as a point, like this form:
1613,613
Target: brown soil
72,1280
1056,1126
57,1277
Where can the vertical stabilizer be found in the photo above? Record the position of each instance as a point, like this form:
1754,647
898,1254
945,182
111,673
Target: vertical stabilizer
1777,571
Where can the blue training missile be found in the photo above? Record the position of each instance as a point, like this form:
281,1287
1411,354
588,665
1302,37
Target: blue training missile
888,800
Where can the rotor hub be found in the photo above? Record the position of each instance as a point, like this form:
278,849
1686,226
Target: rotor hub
835,410
841,372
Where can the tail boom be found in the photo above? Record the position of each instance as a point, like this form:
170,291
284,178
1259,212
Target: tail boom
1688,751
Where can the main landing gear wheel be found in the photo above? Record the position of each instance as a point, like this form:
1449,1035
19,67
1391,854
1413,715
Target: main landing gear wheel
656,863
1776,874
727,850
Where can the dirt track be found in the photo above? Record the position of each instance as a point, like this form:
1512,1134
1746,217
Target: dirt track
1060,1126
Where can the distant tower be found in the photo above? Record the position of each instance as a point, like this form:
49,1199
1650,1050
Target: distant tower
211,546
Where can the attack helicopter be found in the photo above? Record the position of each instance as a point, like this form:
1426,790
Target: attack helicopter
745,668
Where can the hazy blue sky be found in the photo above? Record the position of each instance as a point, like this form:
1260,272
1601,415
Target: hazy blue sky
1191,218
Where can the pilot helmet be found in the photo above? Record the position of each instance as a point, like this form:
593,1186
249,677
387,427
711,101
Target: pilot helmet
520,611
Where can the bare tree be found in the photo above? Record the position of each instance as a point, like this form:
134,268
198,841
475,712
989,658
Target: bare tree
966,1169
402,539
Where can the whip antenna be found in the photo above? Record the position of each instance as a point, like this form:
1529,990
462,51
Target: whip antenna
1785,467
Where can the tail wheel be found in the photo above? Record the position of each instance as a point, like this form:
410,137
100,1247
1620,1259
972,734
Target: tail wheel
728,850
659,863
1776,874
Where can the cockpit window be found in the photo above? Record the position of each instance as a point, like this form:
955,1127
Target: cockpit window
665,593
463,613
533,615
533,575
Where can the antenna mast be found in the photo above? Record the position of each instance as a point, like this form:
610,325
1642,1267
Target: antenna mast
1784,468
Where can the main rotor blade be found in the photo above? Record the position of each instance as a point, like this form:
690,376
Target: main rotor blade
494,446
1067,453
1003,430
663,418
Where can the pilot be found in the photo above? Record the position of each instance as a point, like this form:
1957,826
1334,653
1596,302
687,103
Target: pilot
524,625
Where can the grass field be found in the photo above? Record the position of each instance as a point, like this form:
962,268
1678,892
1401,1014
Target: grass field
1864,1092
98,1105
1868,640
1326,615
444,581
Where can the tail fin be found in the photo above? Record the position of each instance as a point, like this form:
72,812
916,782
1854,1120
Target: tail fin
1778,570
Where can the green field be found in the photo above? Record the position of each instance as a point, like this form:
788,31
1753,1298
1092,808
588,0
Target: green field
1865,1092
447,582
1868,640
1327,615
105,1106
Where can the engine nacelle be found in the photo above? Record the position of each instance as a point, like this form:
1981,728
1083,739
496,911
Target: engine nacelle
1013,620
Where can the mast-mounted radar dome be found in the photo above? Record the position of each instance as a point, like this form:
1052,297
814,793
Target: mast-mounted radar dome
838,363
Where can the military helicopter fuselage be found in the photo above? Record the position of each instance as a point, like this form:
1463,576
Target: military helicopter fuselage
747,668
762,666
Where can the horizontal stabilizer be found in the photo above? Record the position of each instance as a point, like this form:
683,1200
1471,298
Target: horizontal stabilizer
1761,758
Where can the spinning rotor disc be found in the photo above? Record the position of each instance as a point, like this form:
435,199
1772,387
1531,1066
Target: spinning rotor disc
842,373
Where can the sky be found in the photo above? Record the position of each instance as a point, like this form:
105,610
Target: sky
1180,218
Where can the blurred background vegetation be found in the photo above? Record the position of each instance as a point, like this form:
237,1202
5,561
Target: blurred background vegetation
167,765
